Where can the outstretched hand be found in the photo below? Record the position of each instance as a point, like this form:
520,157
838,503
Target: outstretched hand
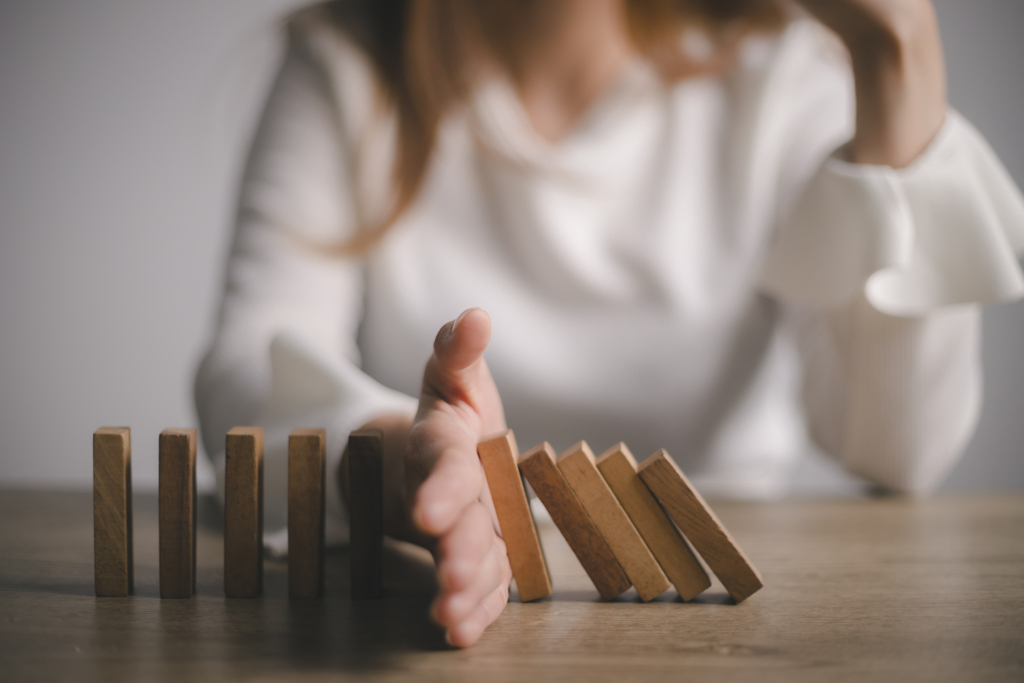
446,493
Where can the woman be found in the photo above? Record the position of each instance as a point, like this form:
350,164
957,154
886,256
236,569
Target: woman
697,225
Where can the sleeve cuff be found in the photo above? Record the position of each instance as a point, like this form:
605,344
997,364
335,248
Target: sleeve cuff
313,388
944,231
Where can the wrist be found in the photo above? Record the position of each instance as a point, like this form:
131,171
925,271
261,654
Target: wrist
900,86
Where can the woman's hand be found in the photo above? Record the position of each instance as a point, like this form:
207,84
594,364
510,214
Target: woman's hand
898,71
435,493
445,486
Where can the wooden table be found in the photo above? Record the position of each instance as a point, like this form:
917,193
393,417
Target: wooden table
855,590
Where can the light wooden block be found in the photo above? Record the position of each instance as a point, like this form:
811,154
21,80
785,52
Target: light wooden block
307,486
578,468
366,512
539,467
243,512
618,467
112,511
177,513
499,456
685,506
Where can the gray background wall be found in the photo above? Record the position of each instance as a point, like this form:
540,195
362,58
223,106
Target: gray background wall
122,128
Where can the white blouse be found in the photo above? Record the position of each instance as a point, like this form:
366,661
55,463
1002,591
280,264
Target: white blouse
693,267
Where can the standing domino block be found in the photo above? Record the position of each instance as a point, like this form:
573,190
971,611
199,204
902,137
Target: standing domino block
243,512
577,465
618,468
686,507
539,468
177,513
366,505
112,511
306,488
499,456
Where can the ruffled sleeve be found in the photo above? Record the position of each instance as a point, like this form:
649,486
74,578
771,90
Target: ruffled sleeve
945,230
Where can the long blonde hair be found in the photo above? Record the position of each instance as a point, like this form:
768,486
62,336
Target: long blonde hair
428,56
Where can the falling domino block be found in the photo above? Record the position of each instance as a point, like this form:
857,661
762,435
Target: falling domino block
499,456
177,513
539,468
112,511
686,507
243,512
366,508
306,490
577,465
618,468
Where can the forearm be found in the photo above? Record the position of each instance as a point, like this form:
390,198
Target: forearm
896,399
899,75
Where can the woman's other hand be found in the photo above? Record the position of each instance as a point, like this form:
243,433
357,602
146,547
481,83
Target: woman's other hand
899,74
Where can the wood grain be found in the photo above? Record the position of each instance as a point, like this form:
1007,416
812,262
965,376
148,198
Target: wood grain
306,509
243,512
177,513
499,456
366,512
618,467
577,465
541,471
112,511
687,508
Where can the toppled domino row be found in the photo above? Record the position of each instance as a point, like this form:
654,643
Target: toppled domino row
613,516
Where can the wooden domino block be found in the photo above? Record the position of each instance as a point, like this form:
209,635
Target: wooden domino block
577,465
499,457
539,468
307,484
618,467
243,512
685,506
112,511
366,508
177,513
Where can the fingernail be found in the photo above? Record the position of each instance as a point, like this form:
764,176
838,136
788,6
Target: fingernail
448,638
459,319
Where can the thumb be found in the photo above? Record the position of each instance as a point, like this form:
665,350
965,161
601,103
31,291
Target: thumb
456,368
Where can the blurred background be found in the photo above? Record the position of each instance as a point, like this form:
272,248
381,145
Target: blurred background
123,126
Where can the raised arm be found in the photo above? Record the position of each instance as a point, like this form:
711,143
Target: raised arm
887,251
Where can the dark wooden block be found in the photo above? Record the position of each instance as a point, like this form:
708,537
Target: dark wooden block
177,513
243,512
306,491
112,511
366,508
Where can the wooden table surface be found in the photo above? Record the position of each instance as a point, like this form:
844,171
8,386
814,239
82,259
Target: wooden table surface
882,589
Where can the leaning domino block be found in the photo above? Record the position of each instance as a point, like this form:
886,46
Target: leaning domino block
112,511
243,512
685,506
177,513
618,468
539,468
499,455
306,490
577,465
366,507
